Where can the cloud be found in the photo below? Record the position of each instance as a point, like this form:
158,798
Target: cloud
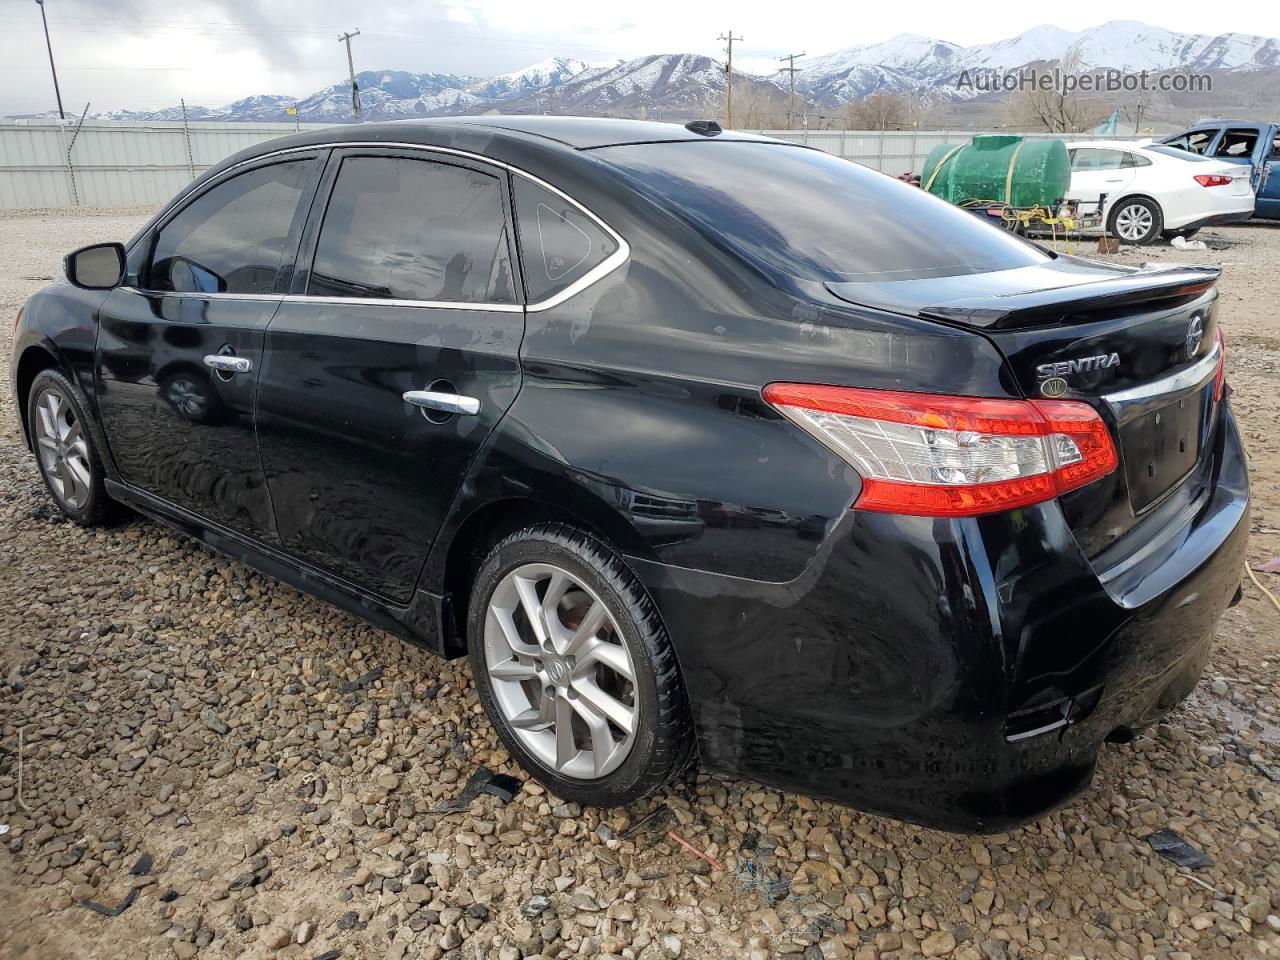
148,53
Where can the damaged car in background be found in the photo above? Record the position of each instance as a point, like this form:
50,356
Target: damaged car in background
702,446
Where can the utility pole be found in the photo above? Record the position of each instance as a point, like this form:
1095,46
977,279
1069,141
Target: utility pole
355,89
790,69
730,39
56,92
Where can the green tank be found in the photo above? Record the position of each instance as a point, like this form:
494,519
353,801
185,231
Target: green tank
999,169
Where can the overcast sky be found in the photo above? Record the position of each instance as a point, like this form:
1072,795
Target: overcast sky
148,53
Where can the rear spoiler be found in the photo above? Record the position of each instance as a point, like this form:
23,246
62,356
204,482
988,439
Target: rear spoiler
1056,305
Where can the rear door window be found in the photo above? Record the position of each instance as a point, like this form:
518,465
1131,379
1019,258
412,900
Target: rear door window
1087,158
559,244
1237,143
234,237
410,229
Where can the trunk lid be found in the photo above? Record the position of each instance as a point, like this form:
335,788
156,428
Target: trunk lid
1240,172
1139,345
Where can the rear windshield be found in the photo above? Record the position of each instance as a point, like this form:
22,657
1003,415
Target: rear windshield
1176,152
815,216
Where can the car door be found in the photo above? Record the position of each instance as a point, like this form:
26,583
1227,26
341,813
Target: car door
390,362
1268,202
180,344
1098,172
1239,145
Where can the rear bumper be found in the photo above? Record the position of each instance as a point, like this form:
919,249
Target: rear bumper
961,674
1217,219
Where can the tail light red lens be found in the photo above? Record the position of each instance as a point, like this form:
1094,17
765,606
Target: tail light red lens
941,456
1212,180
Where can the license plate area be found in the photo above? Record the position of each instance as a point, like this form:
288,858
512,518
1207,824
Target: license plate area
1161,445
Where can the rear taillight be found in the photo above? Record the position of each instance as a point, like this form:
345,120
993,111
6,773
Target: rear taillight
937,456
1212,180
1220,377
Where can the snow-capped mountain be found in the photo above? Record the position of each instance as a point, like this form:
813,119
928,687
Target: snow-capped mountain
683,85
910,63
903,64
388,94
520,83
666,85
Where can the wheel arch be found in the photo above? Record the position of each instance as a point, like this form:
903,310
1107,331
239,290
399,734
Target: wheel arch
1115,205
454,564
33,360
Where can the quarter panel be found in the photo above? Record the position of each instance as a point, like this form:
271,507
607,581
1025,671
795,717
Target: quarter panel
645,388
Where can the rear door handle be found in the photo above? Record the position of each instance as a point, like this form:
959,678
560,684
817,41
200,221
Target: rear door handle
443,402
228,364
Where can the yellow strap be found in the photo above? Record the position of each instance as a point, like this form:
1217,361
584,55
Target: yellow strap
928,187
1008,181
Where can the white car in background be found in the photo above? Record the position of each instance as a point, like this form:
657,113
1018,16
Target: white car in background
1155,191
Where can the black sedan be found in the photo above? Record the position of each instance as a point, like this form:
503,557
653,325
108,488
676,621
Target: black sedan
701,445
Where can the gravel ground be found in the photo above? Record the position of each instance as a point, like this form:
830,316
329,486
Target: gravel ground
279,768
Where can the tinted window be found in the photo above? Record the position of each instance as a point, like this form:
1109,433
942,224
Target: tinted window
1237,143
413,230
234,237
816,216
559,244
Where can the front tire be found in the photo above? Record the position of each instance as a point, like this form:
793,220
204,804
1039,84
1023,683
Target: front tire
1136,220
575,669
65,452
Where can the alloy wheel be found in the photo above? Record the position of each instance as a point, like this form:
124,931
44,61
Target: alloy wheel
561,673
63,448
1133,223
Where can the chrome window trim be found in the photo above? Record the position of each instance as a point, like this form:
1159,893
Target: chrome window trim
196,295
396,302
1124,403
598,272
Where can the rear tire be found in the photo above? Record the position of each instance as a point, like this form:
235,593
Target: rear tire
1136,220
585,691
65,452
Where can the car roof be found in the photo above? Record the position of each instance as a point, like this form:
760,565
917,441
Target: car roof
578,133
586,133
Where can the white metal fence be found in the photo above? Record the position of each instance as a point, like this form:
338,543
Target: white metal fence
896,152
114,164
120,164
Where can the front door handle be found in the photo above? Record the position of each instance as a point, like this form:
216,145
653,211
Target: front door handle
442,402
228,364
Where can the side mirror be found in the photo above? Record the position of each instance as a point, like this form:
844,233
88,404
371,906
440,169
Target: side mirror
97,267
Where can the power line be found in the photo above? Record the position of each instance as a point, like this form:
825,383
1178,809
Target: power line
790,69
355,89
729,39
